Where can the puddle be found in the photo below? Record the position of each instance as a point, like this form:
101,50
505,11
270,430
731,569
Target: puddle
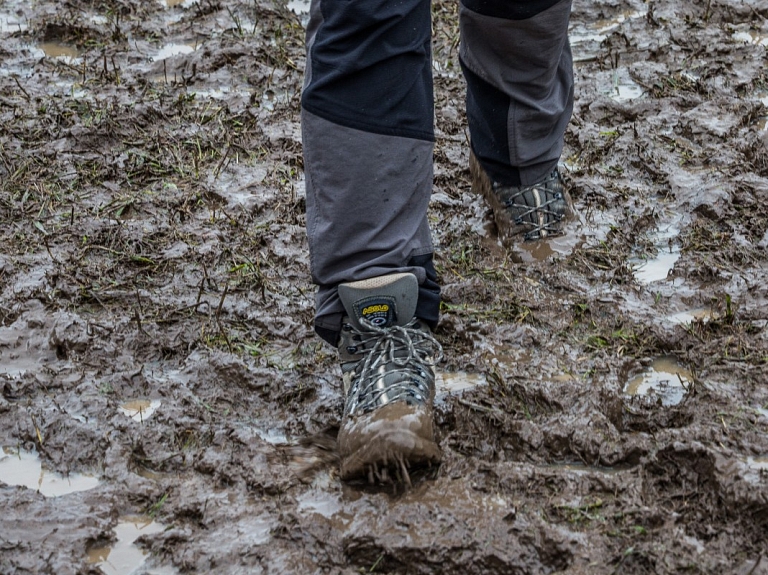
623,87
11,19
758,463
580,229
320,502
20,467
583,469
688,316
20,353
171,50
657,268
751,37
298,7
665,378
542,250
585,39
123,557
447,382
139,409
58,50
273,436
272,98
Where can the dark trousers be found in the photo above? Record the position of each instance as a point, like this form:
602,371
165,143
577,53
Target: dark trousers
367,124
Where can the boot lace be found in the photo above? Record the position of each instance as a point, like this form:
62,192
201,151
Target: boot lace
397,366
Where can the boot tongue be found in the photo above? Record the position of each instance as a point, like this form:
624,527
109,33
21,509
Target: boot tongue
383,301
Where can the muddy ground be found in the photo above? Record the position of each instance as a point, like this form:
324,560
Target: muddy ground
155,308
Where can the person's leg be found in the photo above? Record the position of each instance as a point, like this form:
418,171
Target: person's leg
367,115
367,112
517,62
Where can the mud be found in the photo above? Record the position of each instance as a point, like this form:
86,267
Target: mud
154,257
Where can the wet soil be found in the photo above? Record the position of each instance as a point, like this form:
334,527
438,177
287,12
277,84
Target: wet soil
156,308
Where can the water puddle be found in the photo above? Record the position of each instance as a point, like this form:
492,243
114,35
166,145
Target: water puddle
687,317
20,353
582,228
579,468
623,87
320,502
298,7
58,50
751,37
123,557
139,409
758,463
273,436
449,382
657,268
665,378
11,19
23,468
274,97
585,39
171,50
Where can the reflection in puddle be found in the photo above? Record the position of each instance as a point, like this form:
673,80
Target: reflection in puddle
140,409
58,50
624,88
586,38
457,381
320,502
273,436
656,268
123,557
298,6
19,353
583,469
758,463
665,378
20,467
751,37
272,98
703,314
11,19
171,50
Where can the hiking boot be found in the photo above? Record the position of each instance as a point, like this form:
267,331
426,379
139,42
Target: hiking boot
387,358
533,212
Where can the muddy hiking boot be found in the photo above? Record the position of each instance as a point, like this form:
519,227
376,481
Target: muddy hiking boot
531,212
387,358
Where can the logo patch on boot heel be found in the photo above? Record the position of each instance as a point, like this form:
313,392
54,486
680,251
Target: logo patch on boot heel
378,310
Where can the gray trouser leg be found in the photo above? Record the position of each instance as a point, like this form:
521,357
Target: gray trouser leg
367,110
519,73
367,197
